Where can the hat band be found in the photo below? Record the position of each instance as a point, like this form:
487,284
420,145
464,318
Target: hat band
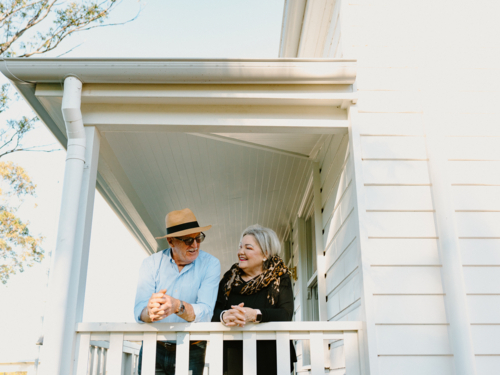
181,227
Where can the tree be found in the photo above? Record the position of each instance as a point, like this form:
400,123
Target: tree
25,32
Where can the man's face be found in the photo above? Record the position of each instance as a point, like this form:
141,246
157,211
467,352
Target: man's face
182,253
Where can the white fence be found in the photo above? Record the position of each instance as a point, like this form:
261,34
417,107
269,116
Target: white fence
110,343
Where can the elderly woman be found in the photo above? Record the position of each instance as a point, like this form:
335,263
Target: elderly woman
256,289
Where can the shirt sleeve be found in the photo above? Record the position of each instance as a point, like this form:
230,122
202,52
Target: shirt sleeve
283,312
205,301
145,287
219,304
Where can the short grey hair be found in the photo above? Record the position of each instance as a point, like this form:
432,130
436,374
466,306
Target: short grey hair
265,237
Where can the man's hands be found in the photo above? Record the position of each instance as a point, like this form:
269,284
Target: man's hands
239,315
159,306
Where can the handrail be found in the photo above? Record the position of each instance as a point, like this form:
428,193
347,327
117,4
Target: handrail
215,334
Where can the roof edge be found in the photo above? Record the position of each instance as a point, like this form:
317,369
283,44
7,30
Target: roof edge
182,71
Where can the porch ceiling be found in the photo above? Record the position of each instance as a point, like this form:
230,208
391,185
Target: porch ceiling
232,139
227,185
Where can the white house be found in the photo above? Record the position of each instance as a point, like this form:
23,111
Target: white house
369,146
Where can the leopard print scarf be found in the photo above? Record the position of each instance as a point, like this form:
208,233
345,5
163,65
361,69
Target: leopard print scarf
271,276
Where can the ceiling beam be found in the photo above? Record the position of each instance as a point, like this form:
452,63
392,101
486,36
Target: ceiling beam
251,145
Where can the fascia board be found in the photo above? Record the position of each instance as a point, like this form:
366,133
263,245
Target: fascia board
176,71
291,27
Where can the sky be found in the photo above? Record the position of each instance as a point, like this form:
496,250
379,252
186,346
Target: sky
164,28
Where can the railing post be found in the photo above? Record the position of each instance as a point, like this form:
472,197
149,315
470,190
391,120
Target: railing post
351,353
216,351
115,353
148,353
83,354
249,353
182,354
317,353
283,352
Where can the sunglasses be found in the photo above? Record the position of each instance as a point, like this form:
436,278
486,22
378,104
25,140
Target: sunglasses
189,241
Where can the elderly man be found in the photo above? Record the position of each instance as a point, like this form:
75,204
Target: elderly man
178,285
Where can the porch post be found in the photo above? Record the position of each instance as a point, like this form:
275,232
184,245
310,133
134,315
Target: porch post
58,349
455,298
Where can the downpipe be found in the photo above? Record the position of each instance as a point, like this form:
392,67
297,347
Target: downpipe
60,321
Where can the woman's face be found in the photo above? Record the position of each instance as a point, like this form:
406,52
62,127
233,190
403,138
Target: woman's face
250,256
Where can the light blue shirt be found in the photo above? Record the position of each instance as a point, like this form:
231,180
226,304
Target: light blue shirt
196,284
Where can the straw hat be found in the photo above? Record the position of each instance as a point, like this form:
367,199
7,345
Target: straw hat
181,223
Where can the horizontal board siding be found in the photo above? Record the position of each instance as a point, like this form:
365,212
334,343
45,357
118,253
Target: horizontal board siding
334,158
407,280
484,309
389,101
473,148
480,251
488,365
485,124
476,198
392,79
486,339
417,365
400,224
474,172
400,309
395,172
396,251
478,224
390,124
412,339
380,147
398,198
482,280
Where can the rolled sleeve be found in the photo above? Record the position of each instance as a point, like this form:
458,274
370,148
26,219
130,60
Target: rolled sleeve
145,288
207,294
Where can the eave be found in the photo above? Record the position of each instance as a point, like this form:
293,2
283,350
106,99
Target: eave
202,96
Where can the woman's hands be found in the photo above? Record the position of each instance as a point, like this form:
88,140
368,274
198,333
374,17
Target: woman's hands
239,315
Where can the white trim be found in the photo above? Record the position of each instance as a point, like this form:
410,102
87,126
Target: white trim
456,304
193,71
250,145
218,327
367,336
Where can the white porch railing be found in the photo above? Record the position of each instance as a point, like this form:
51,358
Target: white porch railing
114,338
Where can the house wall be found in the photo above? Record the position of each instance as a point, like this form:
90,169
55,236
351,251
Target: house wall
341,241
425,69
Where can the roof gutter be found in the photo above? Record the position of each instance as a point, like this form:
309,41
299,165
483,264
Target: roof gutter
182,71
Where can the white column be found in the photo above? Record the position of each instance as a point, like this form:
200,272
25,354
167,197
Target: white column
455,298
69,271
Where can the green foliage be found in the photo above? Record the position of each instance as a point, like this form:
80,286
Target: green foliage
18,248
29,28
20,23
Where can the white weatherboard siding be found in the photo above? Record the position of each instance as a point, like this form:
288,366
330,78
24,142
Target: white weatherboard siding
341,241
418,67
391,43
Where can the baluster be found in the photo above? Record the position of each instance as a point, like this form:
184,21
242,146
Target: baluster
83,354
182,354
283,352
104,360
351,353
115,354
317,356
216,353
249,353
92,356
149,353
99,360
